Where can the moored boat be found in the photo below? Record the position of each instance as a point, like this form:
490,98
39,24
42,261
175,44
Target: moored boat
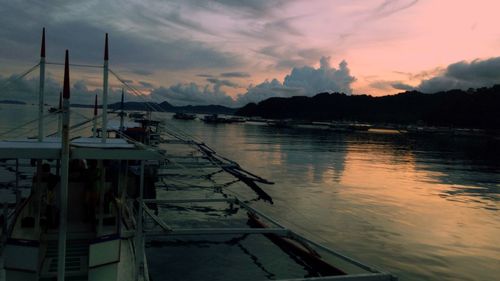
184,116
103,237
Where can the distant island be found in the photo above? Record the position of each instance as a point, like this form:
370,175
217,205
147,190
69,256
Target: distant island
165,106
11,102
475,108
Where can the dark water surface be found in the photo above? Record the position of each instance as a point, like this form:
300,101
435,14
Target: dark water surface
421,208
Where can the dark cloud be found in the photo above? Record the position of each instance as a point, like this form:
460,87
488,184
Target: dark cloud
286,57
402,86
464,75
205,75
235,74
27,90
146,84
390,85
192,94
253,8
222,82
80,27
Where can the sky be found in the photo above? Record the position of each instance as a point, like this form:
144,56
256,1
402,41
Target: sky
232,52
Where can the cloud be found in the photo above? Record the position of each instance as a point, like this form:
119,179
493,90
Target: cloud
146,84
235,74
220,82
464,75
142,72
137,39
323,79
390,85
402,86
390,7
205,75
286,57
192,94
26,90
305,80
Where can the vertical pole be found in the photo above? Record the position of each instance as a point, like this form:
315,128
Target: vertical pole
38,194
5,217
17,174
102,187
41,88
94,126
59,116
61,263
121,114
105,92
138,234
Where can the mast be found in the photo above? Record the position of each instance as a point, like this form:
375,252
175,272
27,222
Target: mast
41,88
94,127
121,113
59,116
105,92
61,263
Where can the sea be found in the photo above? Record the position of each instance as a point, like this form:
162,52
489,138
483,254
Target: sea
419,207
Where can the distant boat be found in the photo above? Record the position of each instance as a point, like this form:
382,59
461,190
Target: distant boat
348,127
136,115
279,123
236,119
184,116
53,110
216,119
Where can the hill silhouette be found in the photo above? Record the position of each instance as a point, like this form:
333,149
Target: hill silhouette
477,108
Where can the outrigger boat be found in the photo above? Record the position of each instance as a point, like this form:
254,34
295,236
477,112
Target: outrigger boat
97,218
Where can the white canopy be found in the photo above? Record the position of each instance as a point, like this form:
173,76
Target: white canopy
81,148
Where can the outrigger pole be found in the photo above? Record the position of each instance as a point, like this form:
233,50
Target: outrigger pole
61,263
105,92
41,88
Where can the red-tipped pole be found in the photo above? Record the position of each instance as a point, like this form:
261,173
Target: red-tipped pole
41,88
95,106
61,263
42,49
104,122
106,52
66,77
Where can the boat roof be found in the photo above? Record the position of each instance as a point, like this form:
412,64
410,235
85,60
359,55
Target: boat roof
80,148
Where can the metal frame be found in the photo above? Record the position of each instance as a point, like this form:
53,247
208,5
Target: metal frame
373,275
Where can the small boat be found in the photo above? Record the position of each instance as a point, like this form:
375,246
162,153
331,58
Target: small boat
53,110
184,116
236,119
216,119
348,127
280,123
136,115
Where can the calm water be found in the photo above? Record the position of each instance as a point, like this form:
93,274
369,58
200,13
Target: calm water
421,208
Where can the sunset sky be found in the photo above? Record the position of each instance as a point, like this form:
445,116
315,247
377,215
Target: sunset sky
232,52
